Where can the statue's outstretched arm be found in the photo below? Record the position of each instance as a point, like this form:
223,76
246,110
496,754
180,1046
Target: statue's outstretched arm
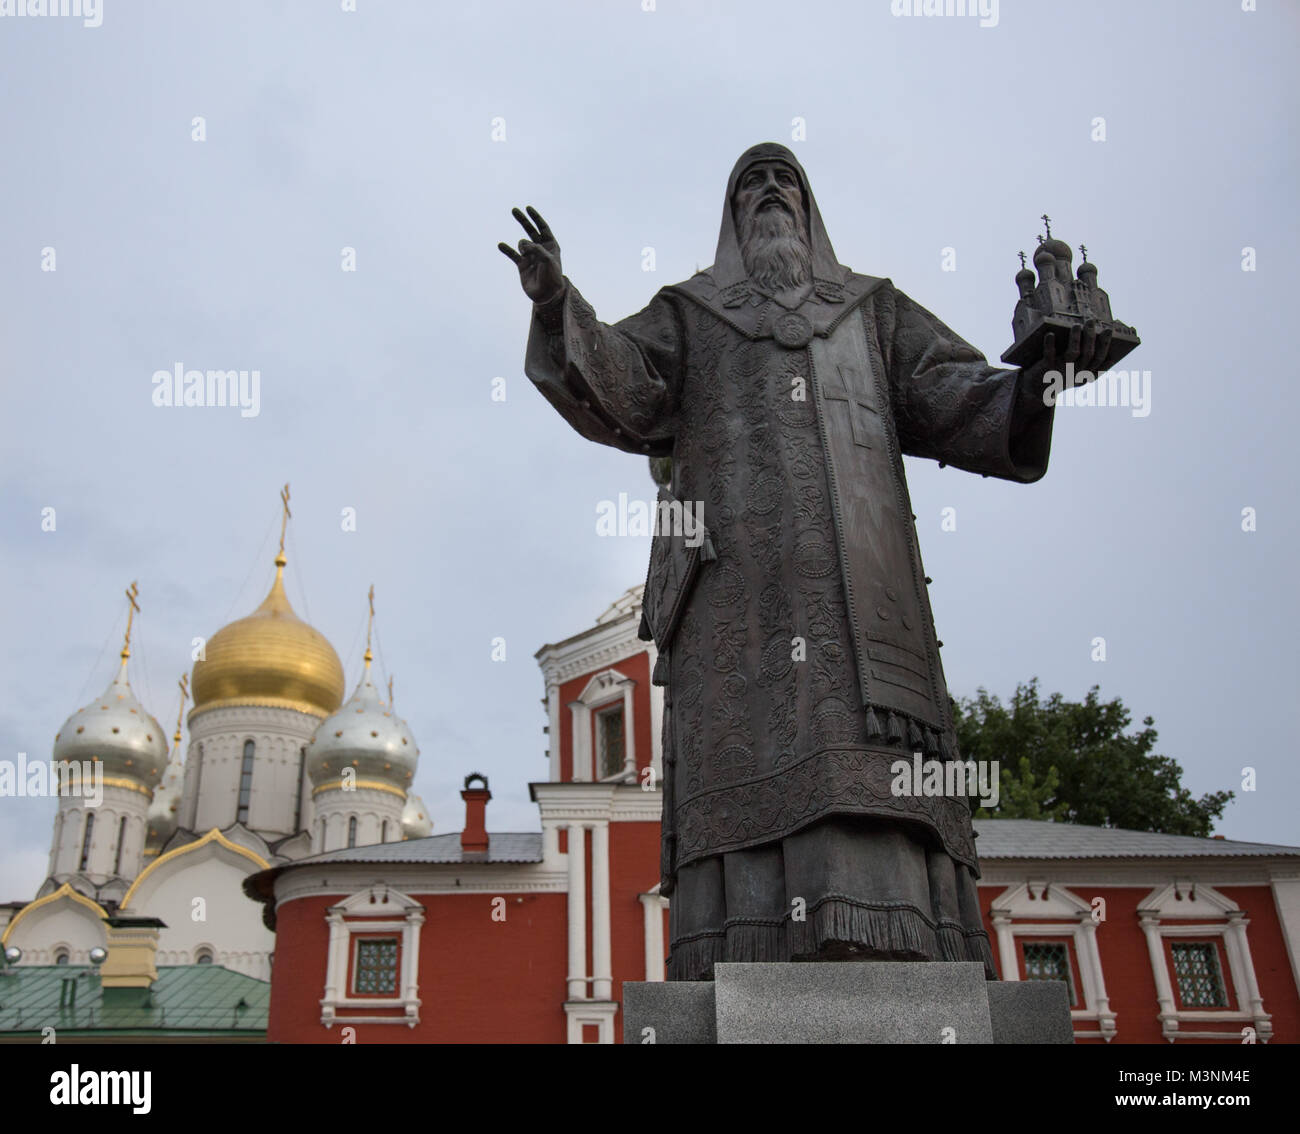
616,385
950,405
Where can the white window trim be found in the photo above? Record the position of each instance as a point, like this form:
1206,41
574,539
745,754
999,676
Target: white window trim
1188,899
356,915
597,756
602,690
598,1012
1036,899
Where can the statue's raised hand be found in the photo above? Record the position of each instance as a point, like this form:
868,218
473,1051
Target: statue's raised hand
538,258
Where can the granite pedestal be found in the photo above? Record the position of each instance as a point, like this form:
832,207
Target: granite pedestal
851,1002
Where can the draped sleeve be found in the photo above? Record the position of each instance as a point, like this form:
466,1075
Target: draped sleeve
615,384
950,404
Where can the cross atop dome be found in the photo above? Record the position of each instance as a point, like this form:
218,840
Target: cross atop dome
132,593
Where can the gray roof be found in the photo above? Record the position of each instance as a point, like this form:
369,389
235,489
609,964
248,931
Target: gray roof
502,847
1036,838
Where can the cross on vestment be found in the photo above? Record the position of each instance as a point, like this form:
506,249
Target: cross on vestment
856,399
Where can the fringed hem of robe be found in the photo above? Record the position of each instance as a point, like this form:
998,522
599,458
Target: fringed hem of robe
811,898
841,929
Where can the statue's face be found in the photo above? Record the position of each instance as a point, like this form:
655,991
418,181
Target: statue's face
768,185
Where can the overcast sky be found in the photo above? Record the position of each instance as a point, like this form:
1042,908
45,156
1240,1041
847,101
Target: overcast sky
374,130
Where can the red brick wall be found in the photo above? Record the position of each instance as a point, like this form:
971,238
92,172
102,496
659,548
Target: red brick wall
638,669
1268,951
633,869
481,981
1126,963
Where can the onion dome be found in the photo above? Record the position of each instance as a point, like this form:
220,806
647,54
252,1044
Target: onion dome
1024,279
416,823
1087,272
366,736
1044,261
117,731
271,658
162,819
1059,249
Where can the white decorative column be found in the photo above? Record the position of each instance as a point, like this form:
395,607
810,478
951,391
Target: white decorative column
1094,979
336,968
411,965
553,729
601,965
582,755
1239,960
1164,989
577,912
629,737
1006,947
652,909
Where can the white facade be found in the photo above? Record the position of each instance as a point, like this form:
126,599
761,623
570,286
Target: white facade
359,818
198,891
280,802
114,850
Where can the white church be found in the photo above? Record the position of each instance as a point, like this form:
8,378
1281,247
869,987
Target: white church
278,768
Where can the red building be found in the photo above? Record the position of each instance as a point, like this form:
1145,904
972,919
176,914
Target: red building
528,937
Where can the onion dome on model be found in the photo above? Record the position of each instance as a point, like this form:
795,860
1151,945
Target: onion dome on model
1024,279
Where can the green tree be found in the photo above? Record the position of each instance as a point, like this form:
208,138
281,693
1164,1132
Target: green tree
1074,762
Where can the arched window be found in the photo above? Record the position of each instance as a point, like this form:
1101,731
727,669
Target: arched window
203,957
383,832
61,957
198,785
610,738
85,839
297,801
352,832
245,783
121,838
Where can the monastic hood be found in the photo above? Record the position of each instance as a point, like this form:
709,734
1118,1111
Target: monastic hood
728,264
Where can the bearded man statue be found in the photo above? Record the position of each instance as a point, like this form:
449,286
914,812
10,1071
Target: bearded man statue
795,641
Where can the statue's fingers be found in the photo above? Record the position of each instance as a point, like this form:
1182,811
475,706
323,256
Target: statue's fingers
526,223
544,229
514,256
1072,348
1049,351
1102,350
537,251
1087,343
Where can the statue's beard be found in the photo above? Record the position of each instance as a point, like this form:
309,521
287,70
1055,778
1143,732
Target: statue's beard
775,249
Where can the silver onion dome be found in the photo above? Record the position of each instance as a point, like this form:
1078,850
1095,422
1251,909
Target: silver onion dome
116,730
366,736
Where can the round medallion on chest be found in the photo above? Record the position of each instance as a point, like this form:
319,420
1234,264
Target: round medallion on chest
792,330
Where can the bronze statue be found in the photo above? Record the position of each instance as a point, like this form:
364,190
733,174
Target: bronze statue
796,641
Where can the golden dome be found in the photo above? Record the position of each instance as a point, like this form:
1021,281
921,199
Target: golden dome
270,658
